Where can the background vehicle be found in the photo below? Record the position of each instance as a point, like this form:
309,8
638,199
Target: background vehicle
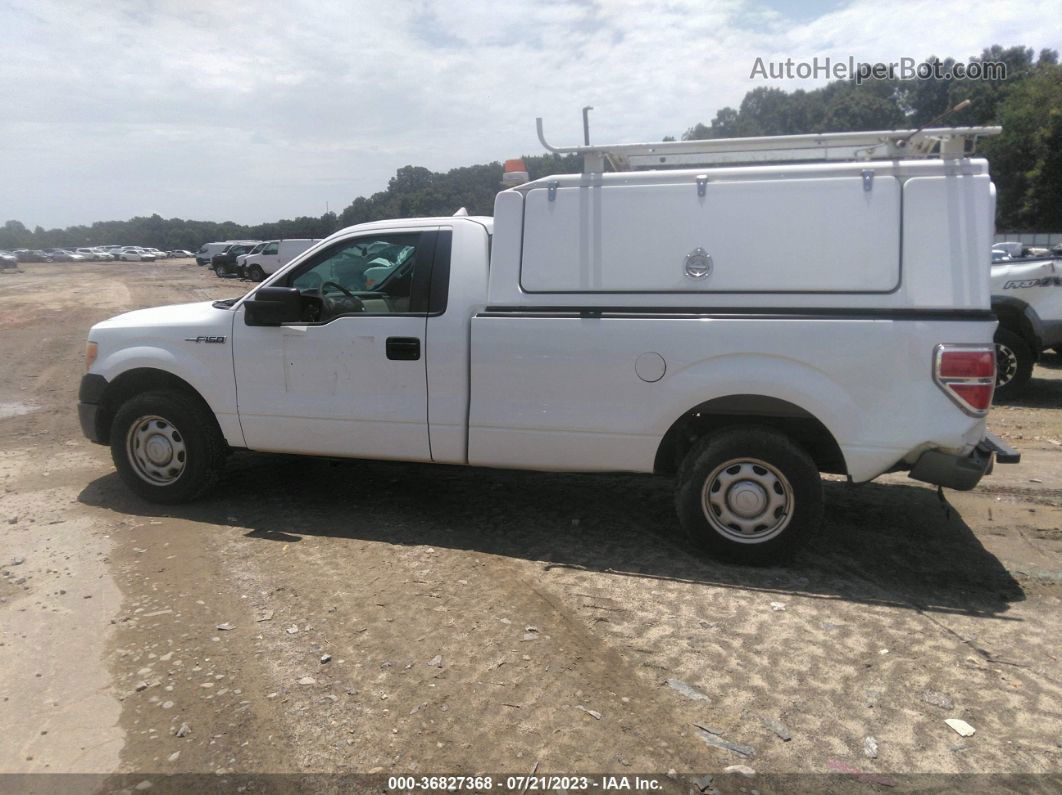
645,333
90,254
180,253
206,252
62,255
998,255
241,257
8,261
1027,300
272,256
135,254
224,262
32,255
1012,248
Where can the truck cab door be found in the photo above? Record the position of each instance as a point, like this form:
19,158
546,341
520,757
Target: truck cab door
347,379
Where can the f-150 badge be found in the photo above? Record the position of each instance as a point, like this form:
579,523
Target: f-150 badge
1045,281
214,340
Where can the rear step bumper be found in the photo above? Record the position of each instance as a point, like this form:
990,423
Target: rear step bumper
1005,454
962,473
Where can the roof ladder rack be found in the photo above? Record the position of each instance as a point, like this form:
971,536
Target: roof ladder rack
943,142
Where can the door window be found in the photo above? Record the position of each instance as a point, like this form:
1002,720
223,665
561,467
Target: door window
384,273
271,248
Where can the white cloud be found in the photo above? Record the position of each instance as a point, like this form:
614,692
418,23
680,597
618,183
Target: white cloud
253,111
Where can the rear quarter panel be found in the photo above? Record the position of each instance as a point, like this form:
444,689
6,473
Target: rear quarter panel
561,393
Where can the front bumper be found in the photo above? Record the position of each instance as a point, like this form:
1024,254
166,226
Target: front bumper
89,397
962,473
1051,333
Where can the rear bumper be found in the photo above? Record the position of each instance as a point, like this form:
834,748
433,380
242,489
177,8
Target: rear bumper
962,473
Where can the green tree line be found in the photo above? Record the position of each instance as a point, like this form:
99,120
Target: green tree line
1026,160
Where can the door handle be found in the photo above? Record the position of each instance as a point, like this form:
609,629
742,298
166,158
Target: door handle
403,349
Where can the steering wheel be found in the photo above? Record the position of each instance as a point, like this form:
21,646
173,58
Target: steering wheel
337,307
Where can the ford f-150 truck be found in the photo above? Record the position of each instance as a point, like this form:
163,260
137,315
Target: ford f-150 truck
739,329
1027,300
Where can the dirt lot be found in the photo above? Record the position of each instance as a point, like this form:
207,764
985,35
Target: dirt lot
485,621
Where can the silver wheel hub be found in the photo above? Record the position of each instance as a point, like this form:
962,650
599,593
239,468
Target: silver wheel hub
159,449
156,450
747,500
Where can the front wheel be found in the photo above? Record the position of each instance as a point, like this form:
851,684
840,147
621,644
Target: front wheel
219,271
748,495
167,447
256,273
1014,364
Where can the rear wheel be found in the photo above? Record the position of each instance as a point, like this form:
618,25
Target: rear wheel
1014,363
748,495
166,446
256,273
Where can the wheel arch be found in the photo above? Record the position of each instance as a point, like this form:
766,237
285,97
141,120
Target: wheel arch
745,409
137,381
1017,316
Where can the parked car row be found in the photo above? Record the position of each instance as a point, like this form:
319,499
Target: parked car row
1005,250
96,254
251,259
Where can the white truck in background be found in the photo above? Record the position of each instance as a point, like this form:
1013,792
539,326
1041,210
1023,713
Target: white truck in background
1027,300
739,328
273,255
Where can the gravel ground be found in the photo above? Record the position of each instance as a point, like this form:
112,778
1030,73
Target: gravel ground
319,617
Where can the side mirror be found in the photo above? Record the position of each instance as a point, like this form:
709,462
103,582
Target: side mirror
271,306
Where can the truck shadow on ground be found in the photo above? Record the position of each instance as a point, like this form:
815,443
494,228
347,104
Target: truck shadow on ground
882,544
1039,393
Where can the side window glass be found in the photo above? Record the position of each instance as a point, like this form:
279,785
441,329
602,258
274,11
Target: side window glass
271,248
372,274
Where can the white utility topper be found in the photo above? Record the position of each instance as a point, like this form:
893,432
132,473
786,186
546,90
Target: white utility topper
740,328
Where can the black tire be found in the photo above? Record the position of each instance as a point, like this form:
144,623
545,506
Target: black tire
782,527
1014,364
219,271
256,273
187,426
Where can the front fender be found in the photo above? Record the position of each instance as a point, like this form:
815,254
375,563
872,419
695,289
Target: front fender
210,374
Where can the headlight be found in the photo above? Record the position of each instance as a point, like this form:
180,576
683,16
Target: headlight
91,349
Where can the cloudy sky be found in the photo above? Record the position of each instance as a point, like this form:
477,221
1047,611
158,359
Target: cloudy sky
252,111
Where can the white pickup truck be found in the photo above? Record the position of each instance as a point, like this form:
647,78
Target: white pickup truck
1027,299
740,329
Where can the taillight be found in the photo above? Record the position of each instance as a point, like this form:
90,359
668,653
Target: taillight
967,374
